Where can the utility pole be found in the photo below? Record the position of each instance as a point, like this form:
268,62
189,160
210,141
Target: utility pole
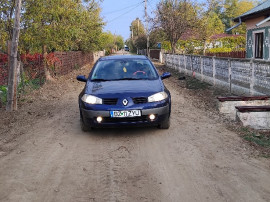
138,25
147,34
131,30
12,77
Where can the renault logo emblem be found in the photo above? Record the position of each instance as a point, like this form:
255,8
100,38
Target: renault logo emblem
125,102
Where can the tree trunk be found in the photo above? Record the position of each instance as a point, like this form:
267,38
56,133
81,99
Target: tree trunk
12,75
173,45
46,69
204,48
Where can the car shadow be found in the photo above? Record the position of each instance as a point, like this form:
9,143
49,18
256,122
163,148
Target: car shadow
122,132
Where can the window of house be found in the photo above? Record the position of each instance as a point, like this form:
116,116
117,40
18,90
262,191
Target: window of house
259,45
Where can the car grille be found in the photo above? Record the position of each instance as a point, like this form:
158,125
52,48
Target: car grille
110,101
121,120
139,100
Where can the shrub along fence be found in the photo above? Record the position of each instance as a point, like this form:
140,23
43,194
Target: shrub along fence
31,74
240,76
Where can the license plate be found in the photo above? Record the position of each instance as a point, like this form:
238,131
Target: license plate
126,113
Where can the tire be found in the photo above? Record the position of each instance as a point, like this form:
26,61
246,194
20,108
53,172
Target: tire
165,124
84,127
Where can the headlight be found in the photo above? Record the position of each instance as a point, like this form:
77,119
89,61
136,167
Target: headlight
157,97
90,99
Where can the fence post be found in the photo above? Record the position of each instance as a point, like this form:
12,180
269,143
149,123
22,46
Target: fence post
160,57
252,79
185,63
230,75
39,71
179,64
202,76
214,70
174,64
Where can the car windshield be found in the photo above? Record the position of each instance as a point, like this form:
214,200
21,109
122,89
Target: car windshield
131,69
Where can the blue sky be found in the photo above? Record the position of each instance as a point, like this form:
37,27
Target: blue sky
118,14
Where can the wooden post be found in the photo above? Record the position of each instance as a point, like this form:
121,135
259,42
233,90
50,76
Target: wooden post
12,77
230,74
185,63
214,70
252,79
179,63
202,76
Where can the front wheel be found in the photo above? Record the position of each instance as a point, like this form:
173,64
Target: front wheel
84,127
165,124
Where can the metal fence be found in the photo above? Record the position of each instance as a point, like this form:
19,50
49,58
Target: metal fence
240,76
31,74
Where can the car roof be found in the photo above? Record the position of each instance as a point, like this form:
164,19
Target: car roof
120,57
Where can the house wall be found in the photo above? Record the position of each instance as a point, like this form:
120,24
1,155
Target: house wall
251,30
251,23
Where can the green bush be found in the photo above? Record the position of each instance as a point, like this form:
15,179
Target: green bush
3,94
219,50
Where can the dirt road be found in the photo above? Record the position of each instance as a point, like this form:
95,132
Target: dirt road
50,159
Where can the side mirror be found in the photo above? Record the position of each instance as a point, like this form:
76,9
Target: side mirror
165,75
81,78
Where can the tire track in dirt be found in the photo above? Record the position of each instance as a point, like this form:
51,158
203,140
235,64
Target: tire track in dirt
197,159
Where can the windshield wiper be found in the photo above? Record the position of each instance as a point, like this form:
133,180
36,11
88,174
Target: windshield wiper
126,79
99,80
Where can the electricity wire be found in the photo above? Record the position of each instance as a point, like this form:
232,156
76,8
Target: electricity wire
121,9
125,12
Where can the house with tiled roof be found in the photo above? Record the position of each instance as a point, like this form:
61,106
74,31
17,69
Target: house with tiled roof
258,31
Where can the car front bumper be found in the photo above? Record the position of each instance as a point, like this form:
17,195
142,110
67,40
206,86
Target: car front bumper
89,118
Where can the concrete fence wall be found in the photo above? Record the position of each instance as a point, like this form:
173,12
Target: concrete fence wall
239,76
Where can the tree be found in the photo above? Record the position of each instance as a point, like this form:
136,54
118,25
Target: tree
12,81
109,41
209,25
141,42
137,28
131,44
157,35
137,35
54,25
233,9
119,42
7,9
176,17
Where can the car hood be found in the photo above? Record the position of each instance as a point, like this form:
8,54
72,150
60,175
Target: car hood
129,87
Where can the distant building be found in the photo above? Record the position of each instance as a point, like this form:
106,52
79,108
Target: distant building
258,31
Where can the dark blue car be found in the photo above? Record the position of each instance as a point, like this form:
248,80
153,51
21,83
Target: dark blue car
124,90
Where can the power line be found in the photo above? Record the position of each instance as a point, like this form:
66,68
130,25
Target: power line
121,9
125,12
150,4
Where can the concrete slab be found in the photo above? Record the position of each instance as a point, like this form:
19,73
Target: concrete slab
227,108
256,120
